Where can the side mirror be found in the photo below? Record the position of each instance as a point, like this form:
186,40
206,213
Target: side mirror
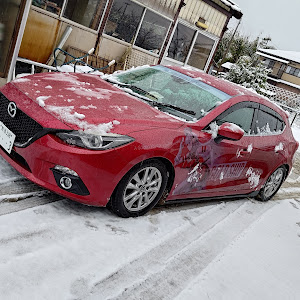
229,131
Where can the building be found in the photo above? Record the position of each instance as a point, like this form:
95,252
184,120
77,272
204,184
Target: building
285,66
11,14
133,32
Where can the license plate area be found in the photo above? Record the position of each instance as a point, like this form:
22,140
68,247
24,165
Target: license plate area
7,138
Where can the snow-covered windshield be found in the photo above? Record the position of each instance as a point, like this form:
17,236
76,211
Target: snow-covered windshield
167,87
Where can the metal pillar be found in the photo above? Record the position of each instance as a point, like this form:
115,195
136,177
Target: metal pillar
19,40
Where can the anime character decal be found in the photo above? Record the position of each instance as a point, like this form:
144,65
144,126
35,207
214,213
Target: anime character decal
202,156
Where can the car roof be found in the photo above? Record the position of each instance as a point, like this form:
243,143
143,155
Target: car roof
221,84
228,87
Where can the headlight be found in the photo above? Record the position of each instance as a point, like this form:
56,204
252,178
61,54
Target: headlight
94,141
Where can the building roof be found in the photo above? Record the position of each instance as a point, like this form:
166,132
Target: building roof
237,12
231,4
227,65
285,82
272,57
282,54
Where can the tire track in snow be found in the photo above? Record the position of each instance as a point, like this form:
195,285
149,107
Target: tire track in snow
163,272
28,202
21,186
17,193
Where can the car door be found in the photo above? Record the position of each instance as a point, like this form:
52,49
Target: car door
268,145
233,158
222,166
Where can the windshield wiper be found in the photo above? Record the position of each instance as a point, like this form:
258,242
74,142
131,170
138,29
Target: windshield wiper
135,89
158,104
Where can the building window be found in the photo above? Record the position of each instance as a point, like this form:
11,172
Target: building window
123,20
293,71
269,63
53,6
201,51
181,42
85,12
153,32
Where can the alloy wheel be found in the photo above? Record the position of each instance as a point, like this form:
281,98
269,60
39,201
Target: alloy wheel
273,182
142,189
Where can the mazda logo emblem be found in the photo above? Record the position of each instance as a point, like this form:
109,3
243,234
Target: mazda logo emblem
12,109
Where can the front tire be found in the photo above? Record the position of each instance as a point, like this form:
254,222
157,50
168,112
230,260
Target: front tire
272,184
139,190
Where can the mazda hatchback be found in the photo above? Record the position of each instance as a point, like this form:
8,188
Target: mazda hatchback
145,136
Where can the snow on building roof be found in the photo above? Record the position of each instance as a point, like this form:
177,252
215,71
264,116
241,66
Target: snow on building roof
272,57
232,5
289,55
227,65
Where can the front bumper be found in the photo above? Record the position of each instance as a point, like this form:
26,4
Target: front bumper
99,171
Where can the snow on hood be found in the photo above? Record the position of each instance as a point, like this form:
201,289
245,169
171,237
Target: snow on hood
85,101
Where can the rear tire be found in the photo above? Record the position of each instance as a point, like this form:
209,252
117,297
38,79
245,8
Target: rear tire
272,184
139,190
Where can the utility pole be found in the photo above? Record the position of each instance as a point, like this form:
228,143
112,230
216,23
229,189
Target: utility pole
163,50
228,47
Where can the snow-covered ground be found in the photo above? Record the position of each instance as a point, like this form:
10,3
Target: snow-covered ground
296,133
53,248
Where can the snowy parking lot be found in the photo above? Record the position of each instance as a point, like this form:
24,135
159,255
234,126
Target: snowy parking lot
53,248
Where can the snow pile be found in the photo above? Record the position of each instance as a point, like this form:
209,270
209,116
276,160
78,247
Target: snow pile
79,116
213,130
265,130
19,80
66,113
79,69
250,148
119,108
231,4
88,107
41,100
233,127
279,147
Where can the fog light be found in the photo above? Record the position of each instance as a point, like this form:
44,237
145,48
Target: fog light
69,182
66,182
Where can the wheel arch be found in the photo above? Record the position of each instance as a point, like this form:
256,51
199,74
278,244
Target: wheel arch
168,164
171,172
287,168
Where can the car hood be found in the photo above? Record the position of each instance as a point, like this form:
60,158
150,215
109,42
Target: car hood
85,101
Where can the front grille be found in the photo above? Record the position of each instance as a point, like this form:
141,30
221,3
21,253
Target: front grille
21,125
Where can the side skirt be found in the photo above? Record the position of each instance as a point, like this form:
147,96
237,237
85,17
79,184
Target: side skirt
189,200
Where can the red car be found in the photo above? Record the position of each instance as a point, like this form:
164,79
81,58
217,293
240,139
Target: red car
147,135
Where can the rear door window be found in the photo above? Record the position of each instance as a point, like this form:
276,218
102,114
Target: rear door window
268,121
